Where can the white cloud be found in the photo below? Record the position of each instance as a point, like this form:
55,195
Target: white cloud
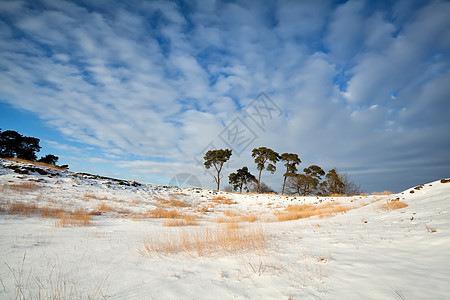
154,82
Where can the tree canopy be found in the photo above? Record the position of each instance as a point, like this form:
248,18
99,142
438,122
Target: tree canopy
263,155
307,183
291,161
49,159
13,144
241,179
217,158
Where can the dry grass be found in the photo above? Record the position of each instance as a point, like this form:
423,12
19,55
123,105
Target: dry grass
393,204
185,220
249,218
23,209
88,196
174,203
37,163
50,212
21,188
103,207
295,212
385,193
178,194
219,240
222,200
162,213
64,218
76,218
235,218
230,213
337,195
209,207
175,218
136,202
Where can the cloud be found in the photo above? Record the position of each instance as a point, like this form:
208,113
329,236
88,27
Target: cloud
362,86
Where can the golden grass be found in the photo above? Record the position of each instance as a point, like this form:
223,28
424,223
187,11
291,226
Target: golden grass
295,212
179,194
92,196
49,212
230,213
236,218
249,218
222,200
185,220
23,209
21,188
385,193
393,204
64,218
337,195
219,240
102,207
162,213
38,163
76,218
209,207
174,203
136,202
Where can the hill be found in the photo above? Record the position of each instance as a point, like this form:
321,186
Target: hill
76,235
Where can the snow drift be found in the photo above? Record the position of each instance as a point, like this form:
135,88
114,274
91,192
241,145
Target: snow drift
75,235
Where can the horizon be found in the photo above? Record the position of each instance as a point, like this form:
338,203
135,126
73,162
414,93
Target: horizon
141,90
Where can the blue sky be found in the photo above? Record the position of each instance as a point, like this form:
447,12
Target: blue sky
140,90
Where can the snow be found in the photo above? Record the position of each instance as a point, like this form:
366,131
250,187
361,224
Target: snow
364,253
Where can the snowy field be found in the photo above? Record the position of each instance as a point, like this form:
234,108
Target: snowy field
67,235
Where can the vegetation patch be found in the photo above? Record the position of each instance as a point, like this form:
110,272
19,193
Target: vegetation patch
218,240
393,204
222,200
295,212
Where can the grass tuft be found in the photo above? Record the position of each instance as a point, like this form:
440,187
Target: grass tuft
23,209
76,218
295,212
21,188
219,240
393,204
222,200
185,220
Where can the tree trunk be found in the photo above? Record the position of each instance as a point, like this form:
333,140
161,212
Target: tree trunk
284,183
259,179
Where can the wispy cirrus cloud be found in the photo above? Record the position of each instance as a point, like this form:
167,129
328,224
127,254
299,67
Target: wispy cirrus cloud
362,86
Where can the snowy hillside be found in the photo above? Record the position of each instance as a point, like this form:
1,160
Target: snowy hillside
72,235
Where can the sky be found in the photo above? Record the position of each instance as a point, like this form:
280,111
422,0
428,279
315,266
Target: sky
142,89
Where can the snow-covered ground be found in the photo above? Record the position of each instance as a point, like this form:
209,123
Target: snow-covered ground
367,252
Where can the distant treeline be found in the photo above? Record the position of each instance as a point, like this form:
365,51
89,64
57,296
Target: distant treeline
310,182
